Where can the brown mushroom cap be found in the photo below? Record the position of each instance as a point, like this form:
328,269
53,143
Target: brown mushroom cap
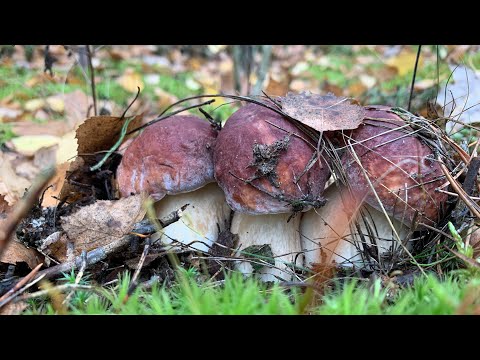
402,169
170,157
251,128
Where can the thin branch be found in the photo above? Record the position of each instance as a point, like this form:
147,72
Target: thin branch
9,295
92,78
414,76
134,282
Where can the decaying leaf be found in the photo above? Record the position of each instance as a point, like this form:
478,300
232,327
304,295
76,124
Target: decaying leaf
12,186
16,252
97,133
323,112
259,253
13,308
103,222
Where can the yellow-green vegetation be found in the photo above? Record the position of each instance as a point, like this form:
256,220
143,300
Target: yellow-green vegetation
430,295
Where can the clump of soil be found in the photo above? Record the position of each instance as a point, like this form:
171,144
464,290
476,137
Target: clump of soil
265,159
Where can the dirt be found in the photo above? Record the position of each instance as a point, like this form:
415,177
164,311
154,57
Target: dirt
265,159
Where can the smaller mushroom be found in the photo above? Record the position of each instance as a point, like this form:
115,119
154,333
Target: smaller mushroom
386,154
172,161
329,234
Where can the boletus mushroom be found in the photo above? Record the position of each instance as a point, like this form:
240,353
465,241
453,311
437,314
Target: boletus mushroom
390,166
268,171
172,161
339,232
390,170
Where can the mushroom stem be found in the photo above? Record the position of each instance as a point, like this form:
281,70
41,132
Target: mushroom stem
329,234
197,229
283,238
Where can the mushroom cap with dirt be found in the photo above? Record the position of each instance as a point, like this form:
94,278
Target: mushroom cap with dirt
330,235
268,170
385,153
172,161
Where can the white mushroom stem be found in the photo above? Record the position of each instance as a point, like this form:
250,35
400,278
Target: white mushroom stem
283,238
329,234
197,229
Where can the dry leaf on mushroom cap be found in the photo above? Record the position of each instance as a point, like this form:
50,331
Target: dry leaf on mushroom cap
323,112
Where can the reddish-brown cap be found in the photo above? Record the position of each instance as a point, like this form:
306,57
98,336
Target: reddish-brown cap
170,157
279,159
401,168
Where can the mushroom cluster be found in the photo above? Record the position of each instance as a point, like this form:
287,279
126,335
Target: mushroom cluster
273,177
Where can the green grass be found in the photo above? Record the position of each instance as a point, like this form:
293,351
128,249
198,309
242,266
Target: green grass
186,297
6,133
428,296
456,293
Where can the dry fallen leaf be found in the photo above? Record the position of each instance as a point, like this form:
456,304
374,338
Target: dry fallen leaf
164,98
16,252
56,103
100,133
12,186
424,84
28,145
97,133
357,89
56,186
55,128
323,112
34,105
7,114
13,308
130,80
67,148
103,222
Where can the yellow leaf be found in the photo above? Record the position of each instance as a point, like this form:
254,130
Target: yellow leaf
130,80
67,148
404,62
28,145
56,104
34,104
424,84
209,90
